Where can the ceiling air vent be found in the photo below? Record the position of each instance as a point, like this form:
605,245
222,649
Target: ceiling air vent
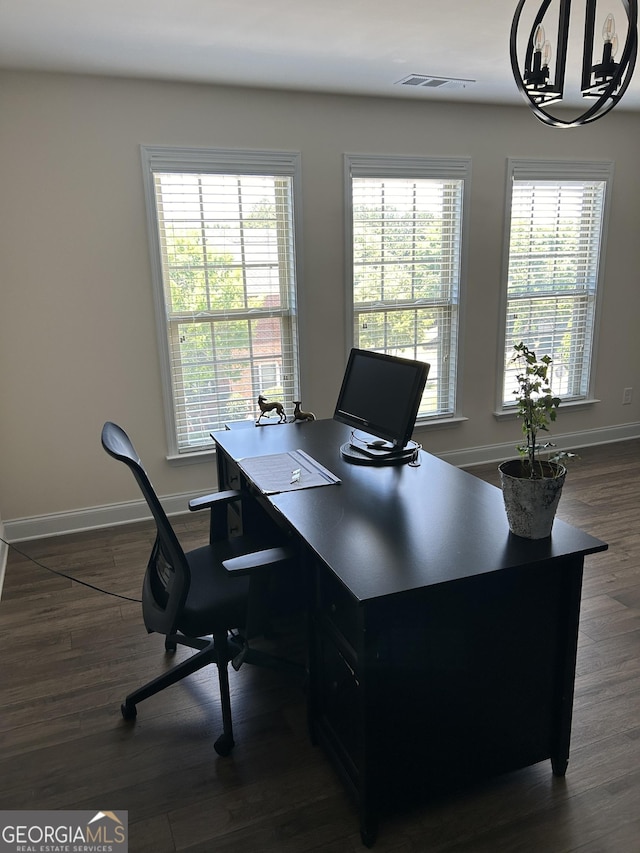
427,81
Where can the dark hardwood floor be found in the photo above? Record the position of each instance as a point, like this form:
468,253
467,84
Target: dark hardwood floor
70,654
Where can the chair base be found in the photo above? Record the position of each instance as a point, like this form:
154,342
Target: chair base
219,650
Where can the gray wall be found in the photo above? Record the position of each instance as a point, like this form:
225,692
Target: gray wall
77,333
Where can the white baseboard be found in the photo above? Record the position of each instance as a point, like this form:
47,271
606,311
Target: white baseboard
568,441
92,518
57,524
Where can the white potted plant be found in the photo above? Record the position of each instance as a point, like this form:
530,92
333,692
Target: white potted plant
532,485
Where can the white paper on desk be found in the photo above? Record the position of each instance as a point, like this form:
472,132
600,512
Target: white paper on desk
274,473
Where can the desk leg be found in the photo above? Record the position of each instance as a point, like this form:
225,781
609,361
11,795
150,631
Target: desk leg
369,690
313,678
568,644
369,831
367,802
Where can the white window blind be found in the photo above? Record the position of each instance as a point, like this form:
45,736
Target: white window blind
224,227
407,235
555,246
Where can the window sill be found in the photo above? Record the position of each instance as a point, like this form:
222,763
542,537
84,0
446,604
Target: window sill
194,457
510,414
440,423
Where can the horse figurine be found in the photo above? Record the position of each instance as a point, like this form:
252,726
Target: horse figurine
302,416
270,407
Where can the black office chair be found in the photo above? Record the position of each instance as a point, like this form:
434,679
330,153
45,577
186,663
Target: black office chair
201,598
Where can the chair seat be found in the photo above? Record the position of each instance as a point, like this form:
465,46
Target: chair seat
216,600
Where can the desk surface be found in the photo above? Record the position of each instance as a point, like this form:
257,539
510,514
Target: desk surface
390,530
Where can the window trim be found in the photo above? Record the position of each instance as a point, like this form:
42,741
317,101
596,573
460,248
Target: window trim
552,170
402,166
222,161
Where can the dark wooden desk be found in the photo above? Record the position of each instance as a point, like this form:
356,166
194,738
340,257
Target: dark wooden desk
442,647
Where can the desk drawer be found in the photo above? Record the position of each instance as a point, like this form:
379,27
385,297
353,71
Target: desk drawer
228,474
340,706
337,606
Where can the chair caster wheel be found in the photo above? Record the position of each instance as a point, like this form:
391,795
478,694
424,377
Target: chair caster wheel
129,712
169,645
224,745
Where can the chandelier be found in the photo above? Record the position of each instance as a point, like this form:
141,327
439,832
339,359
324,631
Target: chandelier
607,66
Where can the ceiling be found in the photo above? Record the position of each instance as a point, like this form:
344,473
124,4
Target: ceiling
362,47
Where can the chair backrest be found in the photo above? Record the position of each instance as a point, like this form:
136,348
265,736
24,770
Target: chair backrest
167,578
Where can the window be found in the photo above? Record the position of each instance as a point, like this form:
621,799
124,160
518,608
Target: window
406,271
223,251
556,235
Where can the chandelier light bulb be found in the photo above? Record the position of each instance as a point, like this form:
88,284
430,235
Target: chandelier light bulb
614,45
546,54
609,28
539,39
607,68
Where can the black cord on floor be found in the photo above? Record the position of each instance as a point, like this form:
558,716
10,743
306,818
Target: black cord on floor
68,577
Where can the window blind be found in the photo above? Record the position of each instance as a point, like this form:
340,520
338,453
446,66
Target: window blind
227,260
555,245
407,250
